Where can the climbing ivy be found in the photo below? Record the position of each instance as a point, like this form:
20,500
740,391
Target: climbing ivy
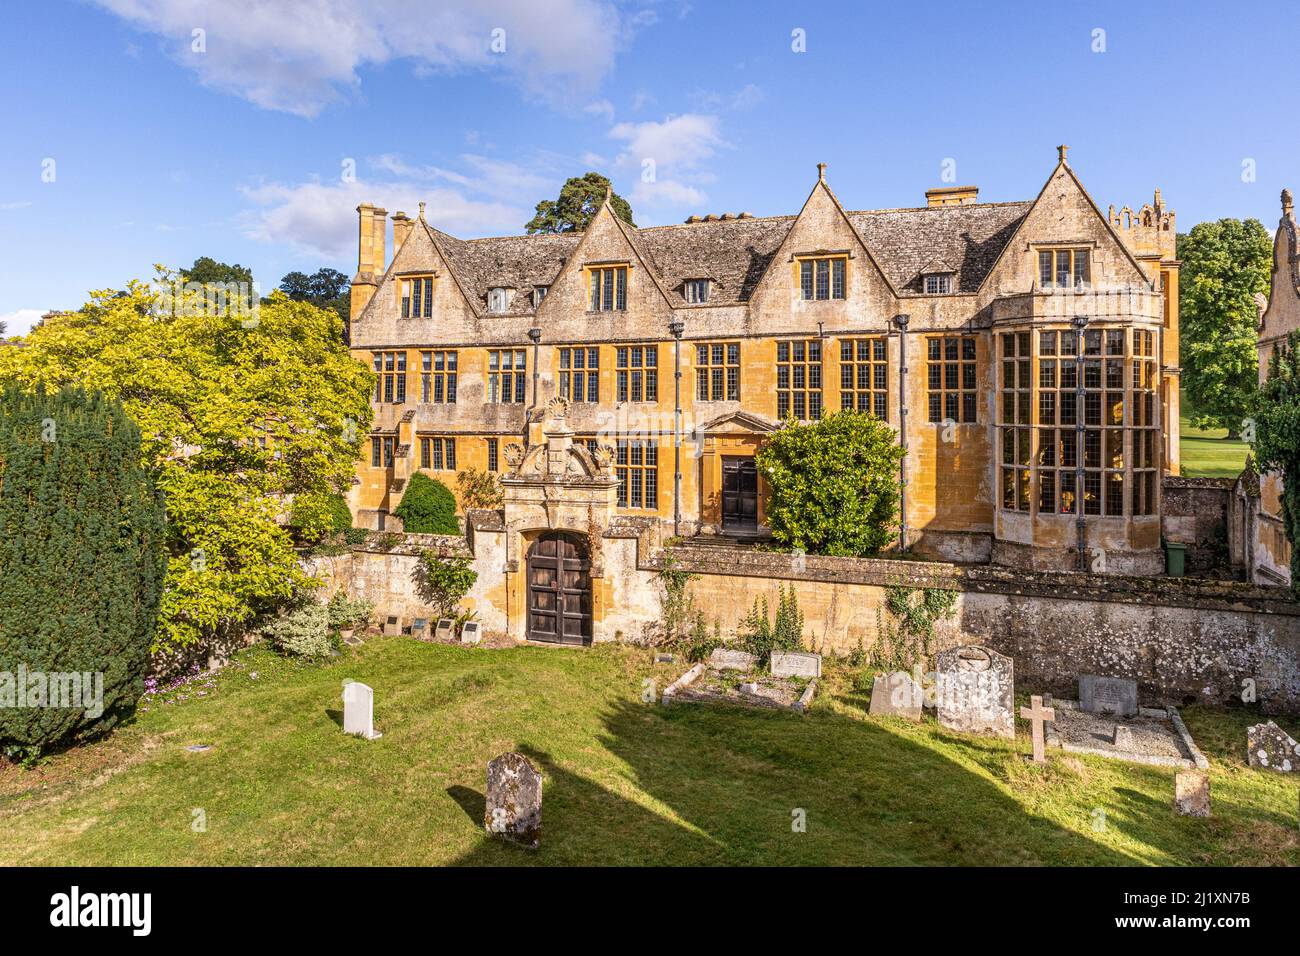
906,622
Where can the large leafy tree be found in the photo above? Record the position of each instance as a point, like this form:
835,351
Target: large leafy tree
239,415
580,200
327,288
208,270
1277,438
834,486
1225,265
81,564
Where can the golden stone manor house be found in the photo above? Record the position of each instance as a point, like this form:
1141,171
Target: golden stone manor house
1026,351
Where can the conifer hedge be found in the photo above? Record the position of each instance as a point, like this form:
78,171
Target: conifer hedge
82,556
427,507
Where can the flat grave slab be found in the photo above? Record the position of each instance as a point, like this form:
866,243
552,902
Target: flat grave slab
1152,736
723,680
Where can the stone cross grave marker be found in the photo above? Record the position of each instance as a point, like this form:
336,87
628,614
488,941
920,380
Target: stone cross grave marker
1038,715
1108,695
796,664
974,688
469,633
1268,745
1192,793
359,711
896,695
514,800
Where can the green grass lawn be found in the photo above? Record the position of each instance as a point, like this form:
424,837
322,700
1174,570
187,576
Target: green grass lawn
626,782
1207,453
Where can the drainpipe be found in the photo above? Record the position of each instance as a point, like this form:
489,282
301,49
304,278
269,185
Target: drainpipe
901,322
1080,322
535,335
676,327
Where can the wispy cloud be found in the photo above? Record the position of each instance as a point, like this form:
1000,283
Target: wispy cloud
667,157
20,321
299,57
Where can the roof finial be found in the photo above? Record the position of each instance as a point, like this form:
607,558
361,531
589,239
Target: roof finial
421,212
609,192
821,172
1287,202
1060,153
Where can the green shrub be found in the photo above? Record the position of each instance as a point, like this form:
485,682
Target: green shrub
304,631
344,613
445,581
834,485
759,635
702,642
82,558
427,507
479,489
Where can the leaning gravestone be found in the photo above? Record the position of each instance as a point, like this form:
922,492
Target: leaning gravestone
1268,745
728,659
359,711
974,689
796,664
514,800
1108,695
896,695
1192,793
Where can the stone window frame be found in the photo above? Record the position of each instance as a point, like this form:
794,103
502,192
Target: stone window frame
539,293
415,296
937,283
1049,258
717,371
952,378
799,379
696,291
607,286
579,372
493,454
866,369
383,449
636,373
437,453
507,376
1015,420
498,300
439,376
636,464
390,381
823,277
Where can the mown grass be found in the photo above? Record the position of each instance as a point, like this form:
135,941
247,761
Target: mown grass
1207,453
626,782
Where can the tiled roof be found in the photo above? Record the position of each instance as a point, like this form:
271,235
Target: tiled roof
735,252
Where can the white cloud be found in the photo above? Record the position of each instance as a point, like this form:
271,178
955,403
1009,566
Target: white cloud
746,98
666,157
666,192
299,57
20,321
601,108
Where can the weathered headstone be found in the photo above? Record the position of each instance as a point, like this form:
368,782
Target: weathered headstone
730,659
419,626
392,626
1124,739
1038,716
359,711
1192,793
749,688
514,800
1108,695
445,629
796,664
469,633
896,695
975,687
1268,745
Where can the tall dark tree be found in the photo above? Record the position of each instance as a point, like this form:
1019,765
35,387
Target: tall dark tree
1225,265
327,288
207,269
82,557
580,199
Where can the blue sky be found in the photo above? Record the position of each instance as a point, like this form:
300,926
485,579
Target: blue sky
235,143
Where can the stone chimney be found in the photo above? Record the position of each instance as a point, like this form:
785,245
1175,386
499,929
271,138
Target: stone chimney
952,196
373,222
402,224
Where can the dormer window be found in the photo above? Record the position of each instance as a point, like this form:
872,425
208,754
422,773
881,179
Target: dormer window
1064,268
498,299
417,297
938,283
539,293
822,278
697,291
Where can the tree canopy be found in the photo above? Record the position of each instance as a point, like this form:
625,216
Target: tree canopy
238,415
834,485
580,200
1225,264
327,288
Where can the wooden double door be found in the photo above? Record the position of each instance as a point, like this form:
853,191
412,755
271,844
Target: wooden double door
559,589
739,495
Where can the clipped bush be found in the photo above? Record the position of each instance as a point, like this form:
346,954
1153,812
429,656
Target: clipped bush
82,559
304,631
345,614
427,507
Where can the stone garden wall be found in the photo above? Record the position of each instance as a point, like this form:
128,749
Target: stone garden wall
1195,513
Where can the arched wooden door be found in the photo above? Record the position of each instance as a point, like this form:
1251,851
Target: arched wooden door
559,589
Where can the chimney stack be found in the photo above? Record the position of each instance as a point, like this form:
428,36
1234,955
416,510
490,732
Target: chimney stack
402,224
373,228
952,196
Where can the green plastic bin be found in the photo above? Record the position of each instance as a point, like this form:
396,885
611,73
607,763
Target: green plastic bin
1175,559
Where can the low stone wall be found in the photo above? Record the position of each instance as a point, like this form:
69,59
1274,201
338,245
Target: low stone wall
1195,514
1183,640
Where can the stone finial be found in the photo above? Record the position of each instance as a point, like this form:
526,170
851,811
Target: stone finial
609,192
1061,152
421,212
821,172
1287,202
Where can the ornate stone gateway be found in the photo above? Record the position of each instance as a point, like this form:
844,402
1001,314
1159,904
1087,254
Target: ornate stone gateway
559,589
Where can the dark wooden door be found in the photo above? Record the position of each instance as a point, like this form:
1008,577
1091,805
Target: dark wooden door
739,494
559,590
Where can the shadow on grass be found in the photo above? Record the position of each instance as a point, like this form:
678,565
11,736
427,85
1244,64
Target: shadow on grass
705,785
471,801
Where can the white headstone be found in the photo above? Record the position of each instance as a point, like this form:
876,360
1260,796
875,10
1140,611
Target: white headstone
469,633
796,664
359,711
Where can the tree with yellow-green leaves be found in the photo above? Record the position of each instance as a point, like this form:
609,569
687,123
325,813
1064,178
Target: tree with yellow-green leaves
242,409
